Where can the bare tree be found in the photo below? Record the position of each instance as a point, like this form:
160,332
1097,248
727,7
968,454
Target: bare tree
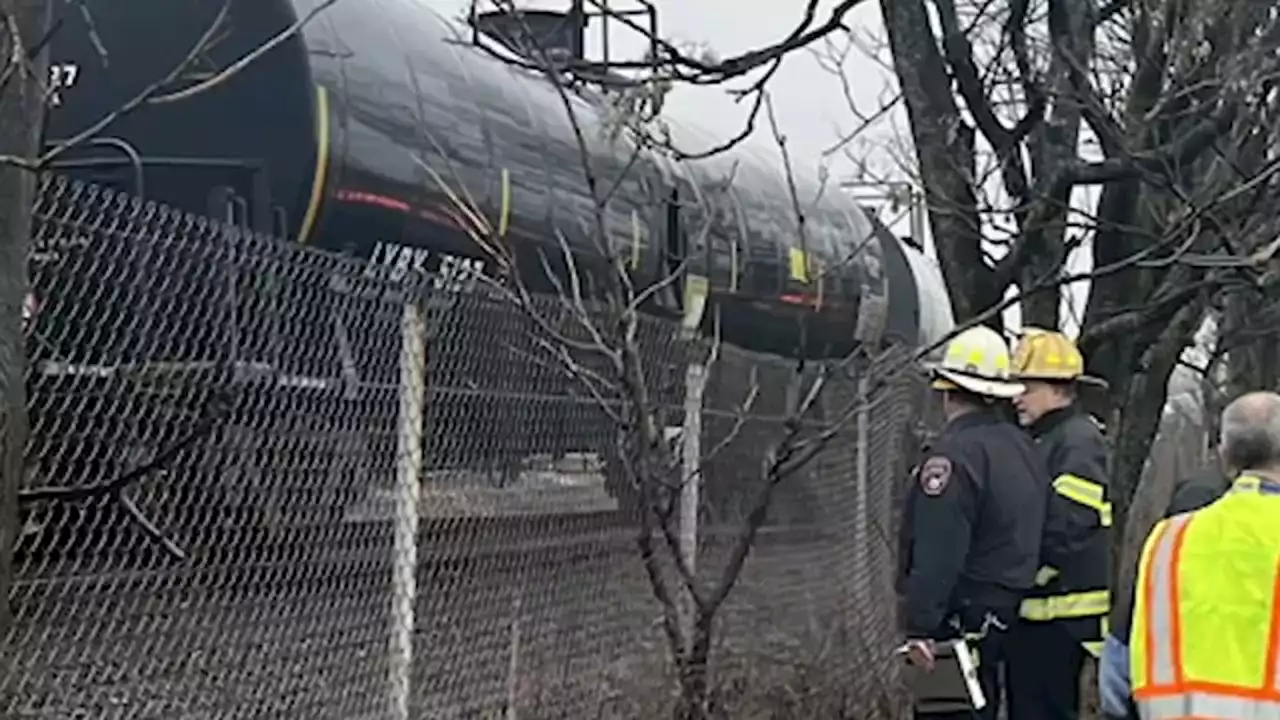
1013,106
1030,218
596,326
1165,112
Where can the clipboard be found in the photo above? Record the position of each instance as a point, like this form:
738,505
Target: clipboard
952,685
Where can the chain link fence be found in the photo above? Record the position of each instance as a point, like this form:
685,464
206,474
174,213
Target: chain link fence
265,482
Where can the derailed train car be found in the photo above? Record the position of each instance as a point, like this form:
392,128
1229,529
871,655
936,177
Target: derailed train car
326,140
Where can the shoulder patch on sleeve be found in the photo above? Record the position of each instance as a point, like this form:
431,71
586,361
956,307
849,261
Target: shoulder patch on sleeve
935,473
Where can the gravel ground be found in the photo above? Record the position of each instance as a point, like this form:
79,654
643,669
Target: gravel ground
303,632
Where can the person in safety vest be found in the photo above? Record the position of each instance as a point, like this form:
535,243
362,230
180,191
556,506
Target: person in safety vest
1206,624
1063,618
973,548
1114,686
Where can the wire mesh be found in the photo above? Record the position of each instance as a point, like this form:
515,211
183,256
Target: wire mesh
809,628
264,482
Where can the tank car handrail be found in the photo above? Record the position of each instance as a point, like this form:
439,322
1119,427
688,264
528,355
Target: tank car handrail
165,160
124,146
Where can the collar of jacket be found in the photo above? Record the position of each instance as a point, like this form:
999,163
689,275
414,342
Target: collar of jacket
1254,481
973,418
1052,419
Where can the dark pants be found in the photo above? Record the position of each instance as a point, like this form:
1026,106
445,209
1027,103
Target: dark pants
992,654
1043,675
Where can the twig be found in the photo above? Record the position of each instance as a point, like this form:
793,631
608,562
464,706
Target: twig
129,106
216,409
245,61
148,93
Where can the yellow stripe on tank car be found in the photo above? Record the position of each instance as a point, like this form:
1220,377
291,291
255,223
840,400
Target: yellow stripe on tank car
504,217
799,265
322,166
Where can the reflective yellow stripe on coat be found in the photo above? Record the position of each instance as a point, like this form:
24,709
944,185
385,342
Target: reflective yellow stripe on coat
1071,605
1085,492
1089,603
1206,632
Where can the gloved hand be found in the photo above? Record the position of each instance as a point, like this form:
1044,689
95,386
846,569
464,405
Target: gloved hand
920,653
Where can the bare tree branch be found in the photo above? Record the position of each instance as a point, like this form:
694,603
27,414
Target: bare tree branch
150,94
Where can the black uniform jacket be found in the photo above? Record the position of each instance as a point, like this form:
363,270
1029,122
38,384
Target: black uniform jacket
1077,542
972,523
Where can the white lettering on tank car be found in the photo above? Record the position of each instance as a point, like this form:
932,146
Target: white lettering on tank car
454,273
62,76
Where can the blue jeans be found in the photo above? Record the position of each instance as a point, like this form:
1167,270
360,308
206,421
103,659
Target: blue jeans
1114,684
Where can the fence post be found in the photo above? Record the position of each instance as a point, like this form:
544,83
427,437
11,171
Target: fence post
513,652
695,382
409,450
861,536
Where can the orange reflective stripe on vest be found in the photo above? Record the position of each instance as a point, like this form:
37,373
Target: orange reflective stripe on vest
1163,638
1166,685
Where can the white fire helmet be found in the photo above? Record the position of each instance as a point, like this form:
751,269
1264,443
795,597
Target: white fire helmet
976,360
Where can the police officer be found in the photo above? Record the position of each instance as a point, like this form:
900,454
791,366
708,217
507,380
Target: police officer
973,545
1063,619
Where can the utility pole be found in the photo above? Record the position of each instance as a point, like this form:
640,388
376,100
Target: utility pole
23,24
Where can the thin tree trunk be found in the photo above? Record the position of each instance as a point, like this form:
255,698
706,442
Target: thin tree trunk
693,667
21,119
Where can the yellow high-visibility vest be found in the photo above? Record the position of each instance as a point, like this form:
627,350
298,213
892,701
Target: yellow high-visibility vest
1206,629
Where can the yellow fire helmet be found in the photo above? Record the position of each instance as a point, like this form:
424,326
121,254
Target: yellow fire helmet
976,360
1049,355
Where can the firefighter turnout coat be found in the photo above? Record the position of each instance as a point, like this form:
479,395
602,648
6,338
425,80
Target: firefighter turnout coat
1072,584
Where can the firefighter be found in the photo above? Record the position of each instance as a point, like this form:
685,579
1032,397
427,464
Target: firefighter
1063,619
1206,625
973,549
